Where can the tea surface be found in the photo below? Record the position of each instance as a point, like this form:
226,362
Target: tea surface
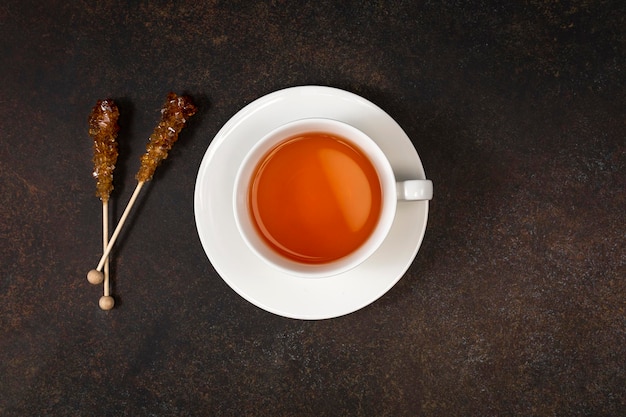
315,198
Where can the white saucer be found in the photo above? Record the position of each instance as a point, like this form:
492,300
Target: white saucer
252,278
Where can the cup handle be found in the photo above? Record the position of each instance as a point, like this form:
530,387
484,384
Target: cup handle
413,190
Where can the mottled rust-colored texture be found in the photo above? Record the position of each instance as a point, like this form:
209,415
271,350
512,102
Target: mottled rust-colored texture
514,306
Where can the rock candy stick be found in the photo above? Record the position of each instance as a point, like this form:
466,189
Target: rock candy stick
103,128
174,115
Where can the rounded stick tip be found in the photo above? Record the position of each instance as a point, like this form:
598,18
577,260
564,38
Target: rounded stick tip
95,277
106,302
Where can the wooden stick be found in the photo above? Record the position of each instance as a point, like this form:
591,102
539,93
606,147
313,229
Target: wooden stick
95,277
105,243
117,230
106,302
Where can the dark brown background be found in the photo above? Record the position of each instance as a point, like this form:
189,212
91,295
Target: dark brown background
515,304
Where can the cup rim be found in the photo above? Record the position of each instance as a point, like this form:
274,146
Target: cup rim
367,145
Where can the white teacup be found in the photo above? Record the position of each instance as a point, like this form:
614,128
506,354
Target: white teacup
298,216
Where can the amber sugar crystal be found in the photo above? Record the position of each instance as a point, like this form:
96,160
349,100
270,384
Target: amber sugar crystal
103,128
174,115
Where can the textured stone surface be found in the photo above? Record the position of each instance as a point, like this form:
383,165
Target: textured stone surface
515,304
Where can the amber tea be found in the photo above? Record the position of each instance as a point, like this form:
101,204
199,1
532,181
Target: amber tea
315,198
